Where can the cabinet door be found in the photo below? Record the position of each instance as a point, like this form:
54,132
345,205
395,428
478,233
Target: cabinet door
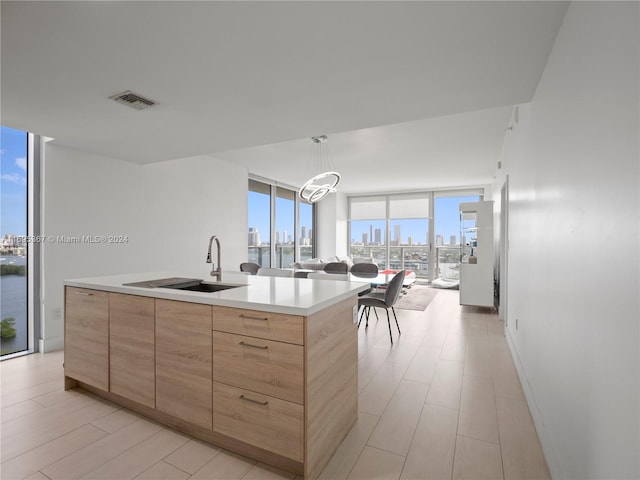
269,325
272,368
266,422
86,336
183,361
132,347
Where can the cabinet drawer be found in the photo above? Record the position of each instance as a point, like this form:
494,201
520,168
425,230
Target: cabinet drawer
260,420
86,336
272,326
272,368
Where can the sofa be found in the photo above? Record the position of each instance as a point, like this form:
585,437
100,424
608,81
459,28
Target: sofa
319,263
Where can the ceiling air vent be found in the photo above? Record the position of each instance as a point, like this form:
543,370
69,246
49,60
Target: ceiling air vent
133,100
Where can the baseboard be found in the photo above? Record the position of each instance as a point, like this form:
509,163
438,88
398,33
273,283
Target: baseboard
46,345
543,435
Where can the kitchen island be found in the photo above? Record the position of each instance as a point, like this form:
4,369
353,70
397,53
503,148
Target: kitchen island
266,368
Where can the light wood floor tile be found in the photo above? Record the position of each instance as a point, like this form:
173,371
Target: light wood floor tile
369,364
522,455
56,396
98,453
10,398
192,456
163,471
33,434
377,464
435,337
116,420
397,425
454,348
477,361
139,458
423,366
44,455
478,418
475,460
376,395
349,450
224,466
37,476
260,471
446,385
18,410
432,450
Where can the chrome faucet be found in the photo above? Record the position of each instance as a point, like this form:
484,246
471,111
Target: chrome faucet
215,272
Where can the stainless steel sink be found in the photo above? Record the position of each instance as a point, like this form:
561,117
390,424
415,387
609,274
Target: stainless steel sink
203,287
179,283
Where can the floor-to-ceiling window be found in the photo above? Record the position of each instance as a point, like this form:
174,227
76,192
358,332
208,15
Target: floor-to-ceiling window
398,231
447,231
393,230
281,225
409,229
14,295
259,214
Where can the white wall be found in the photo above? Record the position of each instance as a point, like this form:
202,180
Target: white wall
573,276
332,226
166,210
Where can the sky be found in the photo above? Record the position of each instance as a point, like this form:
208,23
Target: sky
13,181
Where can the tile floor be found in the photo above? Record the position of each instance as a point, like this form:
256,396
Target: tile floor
444,402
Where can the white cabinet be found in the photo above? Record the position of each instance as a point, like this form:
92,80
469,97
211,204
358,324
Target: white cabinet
476,269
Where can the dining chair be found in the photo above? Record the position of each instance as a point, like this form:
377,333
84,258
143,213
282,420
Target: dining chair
365,270
328,276
387,301
249,267
336,267
275,272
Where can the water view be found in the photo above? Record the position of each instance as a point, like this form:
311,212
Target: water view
13,305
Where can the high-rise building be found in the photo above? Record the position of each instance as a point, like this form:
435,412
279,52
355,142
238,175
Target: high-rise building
396,234
277,238
452,240
370,233
439,239
409,240
365,239
303,235
254,236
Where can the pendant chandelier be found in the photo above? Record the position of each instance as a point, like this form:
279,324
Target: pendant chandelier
325,178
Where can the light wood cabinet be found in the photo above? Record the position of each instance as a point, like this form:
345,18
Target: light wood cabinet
258,388
132,348
183,361
86,336
260,420
268,325
281,389
265,366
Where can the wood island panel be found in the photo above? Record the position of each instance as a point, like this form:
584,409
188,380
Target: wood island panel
86,336
331,399
132,347
265,366
183,361
253,323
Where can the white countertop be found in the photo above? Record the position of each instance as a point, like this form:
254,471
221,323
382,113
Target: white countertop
294,296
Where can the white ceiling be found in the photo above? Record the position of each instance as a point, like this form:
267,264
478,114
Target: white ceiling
411,94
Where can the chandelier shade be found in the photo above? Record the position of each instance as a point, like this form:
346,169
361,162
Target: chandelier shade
324,178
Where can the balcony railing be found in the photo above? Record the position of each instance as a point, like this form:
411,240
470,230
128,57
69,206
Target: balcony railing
448,262
410,257
284,255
